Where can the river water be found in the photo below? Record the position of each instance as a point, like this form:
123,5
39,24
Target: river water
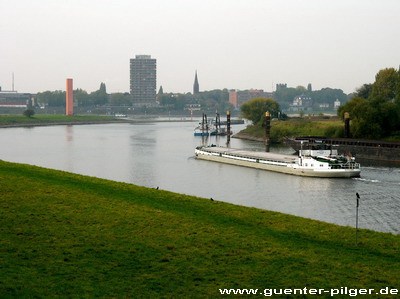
161,154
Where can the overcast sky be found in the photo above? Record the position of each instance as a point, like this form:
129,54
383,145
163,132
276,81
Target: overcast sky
234,44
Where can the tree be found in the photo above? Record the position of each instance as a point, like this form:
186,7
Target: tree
52,98
328,95
255,109
374,112
364,91
371,119
285,96
100,96
29,113
216,96
121,99
167,99
82,97
385,85
102,88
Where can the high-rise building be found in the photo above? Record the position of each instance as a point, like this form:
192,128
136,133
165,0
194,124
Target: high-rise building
143,79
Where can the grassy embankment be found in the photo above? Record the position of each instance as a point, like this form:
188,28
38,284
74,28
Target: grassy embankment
65,235
6,120
331,128
297,127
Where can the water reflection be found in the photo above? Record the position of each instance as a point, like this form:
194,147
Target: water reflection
69,133
142,151
69,148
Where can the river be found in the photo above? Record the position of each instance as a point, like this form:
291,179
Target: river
161,154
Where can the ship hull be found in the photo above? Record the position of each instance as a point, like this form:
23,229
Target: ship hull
205,134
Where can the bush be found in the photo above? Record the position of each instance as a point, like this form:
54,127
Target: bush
255,109
29,112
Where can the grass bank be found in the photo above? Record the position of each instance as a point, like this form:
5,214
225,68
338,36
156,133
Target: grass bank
296,127
66,235
17,120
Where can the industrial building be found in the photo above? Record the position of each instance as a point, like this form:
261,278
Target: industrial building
13,101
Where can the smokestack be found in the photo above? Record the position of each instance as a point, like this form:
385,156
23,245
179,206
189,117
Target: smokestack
69,98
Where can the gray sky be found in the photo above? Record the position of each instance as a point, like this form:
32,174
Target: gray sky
234,44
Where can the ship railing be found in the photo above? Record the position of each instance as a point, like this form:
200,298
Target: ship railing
351,166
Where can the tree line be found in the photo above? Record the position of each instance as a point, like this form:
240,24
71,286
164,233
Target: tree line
217,99
57,98
208,100
375,108
284,96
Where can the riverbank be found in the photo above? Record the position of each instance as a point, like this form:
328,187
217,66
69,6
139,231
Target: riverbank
330,128
248,136
13,121
9,121
67,235
293,128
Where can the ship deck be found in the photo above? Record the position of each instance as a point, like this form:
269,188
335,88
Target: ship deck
252,154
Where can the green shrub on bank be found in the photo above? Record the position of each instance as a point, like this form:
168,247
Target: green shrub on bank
334,132
29,113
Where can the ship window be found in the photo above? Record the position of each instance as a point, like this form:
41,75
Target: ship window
312,165
306,164
321,165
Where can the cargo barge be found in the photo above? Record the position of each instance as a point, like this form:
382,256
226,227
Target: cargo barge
315,161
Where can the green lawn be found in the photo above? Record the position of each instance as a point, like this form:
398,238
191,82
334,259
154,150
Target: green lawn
299,127
64,235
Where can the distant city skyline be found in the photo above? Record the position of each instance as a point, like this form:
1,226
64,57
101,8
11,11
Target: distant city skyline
233,44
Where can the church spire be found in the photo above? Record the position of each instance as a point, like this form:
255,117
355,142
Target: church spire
196,88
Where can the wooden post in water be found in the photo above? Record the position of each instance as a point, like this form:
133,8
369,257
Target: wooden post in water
347,125
228,127
202,125
267,130
206,123
217,123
